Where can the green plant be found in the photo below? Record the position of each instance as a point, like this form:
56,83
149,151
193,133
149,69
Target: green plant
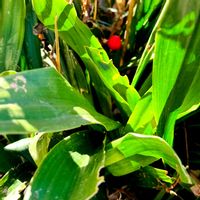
64,122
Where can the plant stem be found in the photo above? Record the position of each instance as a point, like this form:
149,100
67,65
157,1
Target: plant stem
57,45
186,144
95,10
128,26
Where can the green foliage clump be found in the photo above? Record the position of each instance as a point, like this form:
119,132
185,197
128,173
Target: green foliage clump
72,120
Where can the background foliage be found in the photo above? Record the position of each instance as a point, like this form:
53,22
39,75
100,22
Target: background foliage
91,122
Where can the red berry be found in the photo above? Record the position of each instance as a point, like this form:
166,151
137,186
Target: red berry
114,42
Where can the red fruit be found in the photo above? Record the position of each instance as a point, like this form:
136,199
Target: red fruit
114,42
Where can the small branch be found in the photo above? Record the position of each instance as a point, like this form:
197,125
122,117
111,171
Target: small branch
186,145
57,45
128,26
95,10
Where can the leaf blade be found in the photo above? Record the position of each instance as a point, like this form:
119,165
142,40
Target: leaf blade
142,151
176,65
11,33
55,106
73,171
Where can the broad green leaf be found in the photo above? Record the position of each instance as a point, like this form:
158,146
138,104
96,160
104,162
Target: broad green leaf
71,29
175,87
79,37
74,72
42,100
70,170
137,150
31,45
142,119
176,67
130,164
175,36
105,75
12,16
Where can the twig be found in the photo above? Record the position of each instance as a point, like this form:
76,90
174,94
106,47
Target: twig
95,10
128,26
186,145
57,45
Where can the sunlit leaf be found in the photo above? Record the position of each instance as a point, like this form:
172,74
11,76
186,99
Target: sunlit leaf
70,171
176,67
129,153
142,119
78,36
43,101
